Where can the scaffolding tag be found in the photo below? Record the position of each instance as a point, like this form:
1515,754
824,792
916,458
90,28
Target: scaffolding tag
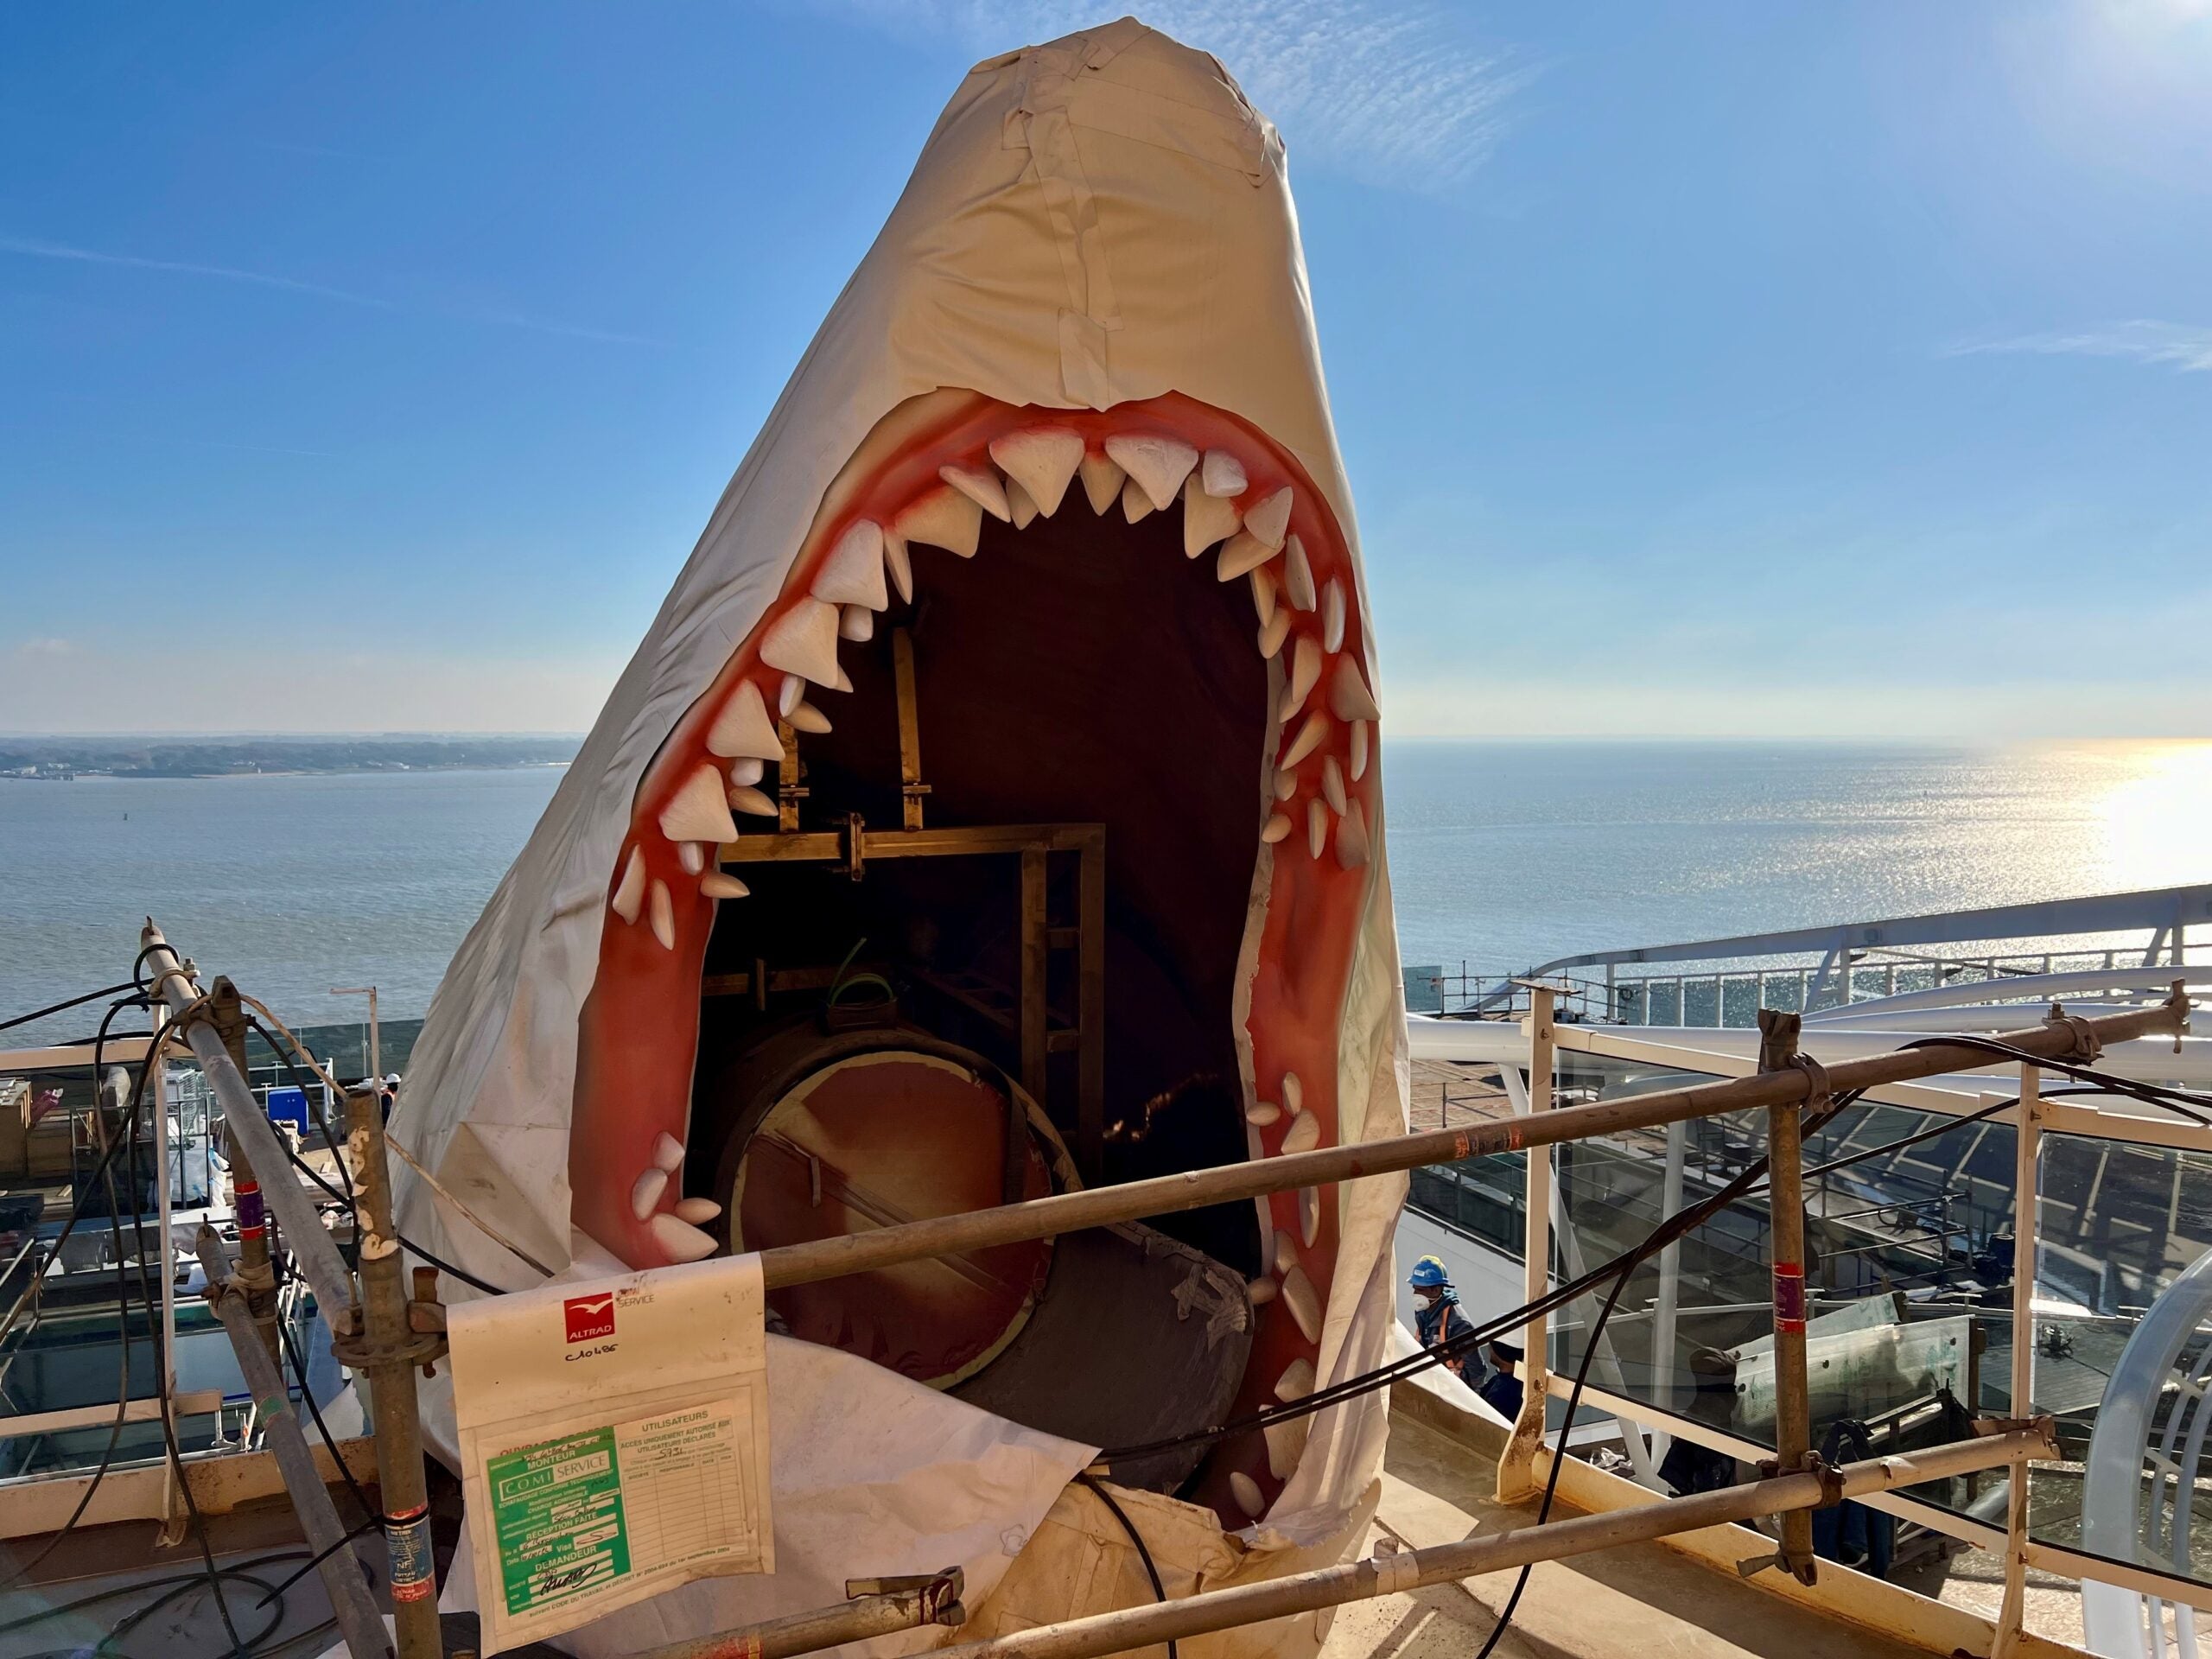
613,1437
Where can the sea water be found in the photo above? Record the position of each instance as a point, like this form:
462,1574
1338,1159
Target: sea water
1501,854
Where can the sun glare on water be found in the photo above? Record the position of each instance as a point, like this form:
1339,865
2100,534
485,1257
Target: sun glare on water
2156,816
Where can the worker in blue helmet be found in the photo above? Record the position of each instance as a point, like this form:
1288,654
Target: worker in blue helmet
1437,1317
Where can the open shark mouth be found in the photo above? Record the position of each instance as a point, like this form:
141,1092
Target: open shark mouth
1134,631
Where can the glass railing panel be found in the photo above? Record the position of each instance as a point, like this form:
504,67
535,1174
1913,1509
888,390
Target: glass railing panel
1909,1267
2119,1227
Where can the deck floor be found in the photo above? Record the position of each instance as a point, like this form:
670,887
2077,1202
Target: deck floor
1643,1600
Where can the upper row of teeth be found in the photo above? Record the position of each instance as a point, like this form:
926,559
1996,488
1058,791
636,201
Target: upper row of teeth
1029,475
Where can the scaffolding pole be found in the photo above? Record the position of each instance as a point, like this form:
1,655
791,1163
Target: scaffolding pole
358,1622
2060,1037
1129,1628
875,1607
247,1126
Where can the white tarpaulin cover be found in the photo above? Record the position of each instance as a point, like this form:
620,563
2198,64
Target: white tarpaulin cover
1096,221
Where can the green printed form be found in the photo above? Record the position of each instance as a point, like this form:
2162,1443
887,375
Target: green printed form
558,1509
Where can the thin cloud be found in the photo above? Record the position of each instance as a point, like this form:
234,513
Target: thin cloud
36,250
178,267
1397,93
566,331
2164,345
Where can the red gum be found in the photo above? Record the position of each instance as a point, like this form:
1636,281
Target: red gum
639,1031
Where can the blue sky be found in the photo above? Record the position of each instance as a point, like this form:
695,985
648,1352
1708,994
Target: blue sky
1766,368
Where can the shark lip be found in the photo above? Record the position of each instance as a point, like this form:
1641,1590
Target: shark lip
917,492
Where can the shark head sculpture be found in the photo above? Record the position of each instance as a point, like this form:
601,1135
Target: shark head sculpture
1048,535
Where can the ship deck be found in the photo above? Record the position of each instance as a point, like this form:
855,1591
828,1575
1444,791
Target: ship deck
1652,1600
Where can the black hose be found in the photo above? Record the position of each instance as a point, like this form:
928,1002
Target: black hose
75,1001
1158,1590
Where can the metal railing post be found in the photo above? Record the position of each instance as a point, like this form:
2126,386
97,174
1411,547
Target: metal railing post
1516,1476
1793,1420
386,1353
2027,1147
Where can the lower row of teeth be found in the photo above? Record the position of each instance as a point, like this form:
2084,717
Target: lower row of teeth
1143,474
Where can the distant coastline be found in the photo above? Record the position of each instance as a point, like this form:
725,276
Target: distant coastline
64,759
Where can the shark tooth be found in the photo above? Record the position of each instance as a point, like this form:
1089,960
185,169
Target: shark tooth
1286,1255
1317,827
1305,674
1246,1491
1271,518
664,915
852,574
1158,464
692,855
842,683
1020,503
1296,1380
980,485
1222,473
1352,838
807,718
1309,1215
1293,1092
1102,482
1332,616
1286,784
1286,1444
803,640
944,518
1041,459
1273,829
1261,1113
857,622
1304,1305
645,1193
668,1152
748,771
1349,697
1260,1291
698,812
697,1212
1135,504
716,884
680,1239
743,728
1206,518
1303,1135
1241,554
1297,573
898,564
1359,750
1333,784
1273,631
1308,739
629,891
750,800
1263,594
789,694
